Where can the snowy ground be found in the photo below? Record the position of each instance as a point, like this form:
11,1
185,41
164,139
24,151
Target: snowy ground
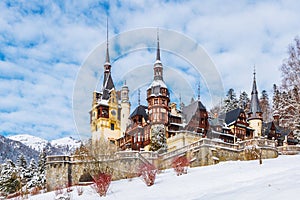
275,179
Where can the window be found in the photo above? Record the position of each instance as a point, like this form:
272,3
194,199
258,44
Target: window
155,101
163,101
112,126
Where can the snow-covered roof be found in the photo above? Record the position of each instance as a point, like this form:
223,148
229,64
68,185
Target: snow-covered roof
160,83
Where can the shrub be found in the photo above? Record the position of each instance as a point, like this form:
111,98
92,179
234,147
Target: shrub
148,173
101,183
180,165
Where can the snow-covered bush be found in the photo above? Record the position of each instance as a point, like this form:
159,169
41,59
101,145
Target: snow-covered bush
148,173
180,165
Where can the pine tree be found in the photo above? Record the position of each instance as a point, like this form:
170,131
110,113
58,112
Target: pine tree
244,101
21,161
230,102
22,169
9,178
41,182
158,139
265,106
33,175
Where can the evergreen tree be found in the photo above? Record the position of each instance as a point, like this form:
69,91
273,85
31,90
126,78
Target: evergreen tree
22,169
21,161
244,101
33,175
9,178
230,102
265,106
158,139
41,169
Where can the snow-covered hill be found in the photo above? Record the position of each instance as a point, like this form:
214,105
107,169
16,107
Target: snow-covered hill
62,146
275,179
31,141
68,143
11,149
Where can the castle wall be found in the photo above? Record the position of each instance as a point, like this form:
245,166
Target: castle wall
67,170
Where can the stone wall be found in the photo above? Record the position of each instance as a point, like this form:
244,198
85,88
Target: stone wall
67,170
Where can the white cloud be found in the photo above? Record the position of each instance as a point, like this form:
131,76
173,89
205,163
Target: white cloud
44,44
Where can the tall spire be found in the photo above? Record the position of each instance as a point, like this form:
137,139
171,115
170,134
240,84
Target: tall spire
139,97
255,109
199,91
157,50
107,60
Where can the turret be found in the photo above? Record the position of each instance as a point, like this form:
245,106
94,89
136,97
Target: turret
125,108
255,112
158,93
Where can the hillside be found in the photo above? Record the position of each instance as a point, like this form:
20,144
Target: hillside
275,179
11,149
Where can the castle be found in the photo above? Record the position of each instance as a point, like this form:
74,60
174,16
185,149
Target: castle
235,135
110,116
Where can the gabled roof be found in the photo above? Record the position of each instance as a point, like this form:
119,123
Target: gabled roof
140,111
189,110
281,130
232,116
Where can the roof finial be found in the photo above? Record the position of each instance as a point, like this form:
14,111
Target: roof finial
107,60
254,72
158,50
199,91
139,97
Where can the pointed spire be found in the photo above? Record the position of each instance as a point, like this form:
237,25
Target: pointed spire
158,50
199,91
254,103
139,97
107,60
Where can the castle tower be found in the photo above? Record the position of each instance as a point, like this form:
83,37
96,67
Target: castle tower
158,93
104,115
255,113
125,108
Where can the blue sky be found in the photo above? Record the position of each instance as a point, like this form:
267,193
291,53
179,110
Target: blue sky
43,45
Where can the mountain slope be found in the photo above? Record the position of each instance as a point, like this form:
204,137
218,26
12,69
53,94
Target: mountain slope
11,149
62,146
31,141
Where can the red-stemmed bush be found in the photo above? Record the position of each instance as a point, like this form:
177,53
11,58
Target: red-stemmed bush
148,173
180,165
101,183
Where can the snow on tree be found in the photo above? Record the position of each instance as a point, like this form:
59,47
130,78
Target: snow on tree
290,67
21,161
33,175
158,138
230,102
244,101
41,170
9,178
265,106
286,99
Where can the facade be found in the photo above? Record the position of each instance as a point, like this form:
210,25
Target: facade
110,108
179,126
